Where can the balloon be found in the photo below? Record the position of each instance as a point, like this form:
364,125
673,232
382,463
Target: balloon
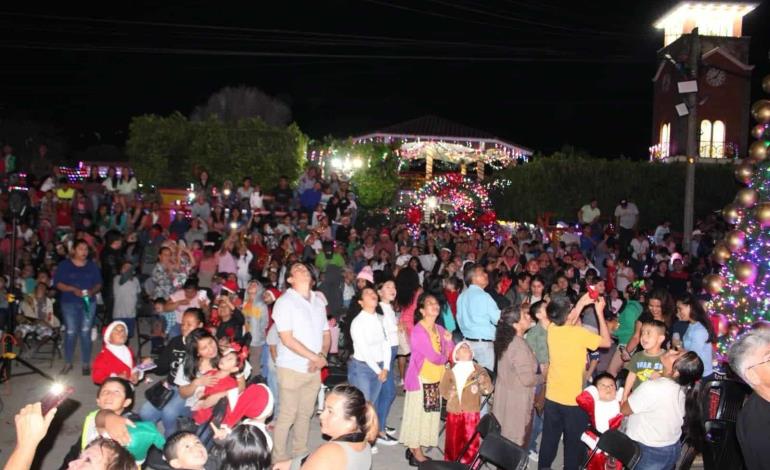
760,131
721,253
761,111
732,213
766,84
747,197
713,283
763,214
746,272
758,151
735,240
744,172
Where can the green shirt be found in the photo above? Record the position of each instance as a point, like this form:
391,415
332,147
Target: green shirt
537,339
642,365
321,261
627,321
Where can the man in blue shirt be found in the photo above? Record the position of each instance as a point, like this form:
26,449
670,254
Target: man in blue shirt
477,315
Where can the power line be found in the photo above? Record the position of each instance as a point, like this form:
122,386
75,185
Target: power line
245,53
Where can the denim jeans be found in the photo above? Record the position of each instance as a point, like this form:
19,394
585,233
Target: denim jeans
130,324
174,409
658,458
78,321
271,376
387,392
537,428
561,419
363,377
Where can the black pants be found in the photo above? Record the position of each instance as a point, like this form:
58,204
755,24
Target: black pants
625,235
560,419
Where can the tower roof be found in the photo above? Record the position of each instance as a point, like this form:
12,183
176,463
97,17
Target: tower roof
712,18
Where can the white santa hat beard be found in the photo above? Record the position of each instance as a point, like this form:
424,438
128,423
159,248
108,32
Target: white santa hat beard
462,369
120,351
604,411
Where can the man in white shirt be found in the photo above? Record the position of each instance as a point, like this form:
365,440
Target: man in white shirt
661,231
300,318
589,213
626,216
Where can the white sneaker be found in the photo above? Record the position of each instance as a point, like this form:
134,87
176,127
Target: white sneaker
533,456
374,449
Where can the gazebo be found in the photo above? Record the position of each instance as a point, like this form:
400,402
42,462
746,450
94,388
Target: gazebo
432,138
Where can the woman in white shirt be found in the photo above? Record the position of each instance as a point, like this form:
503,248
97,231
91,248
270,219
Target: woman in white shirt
369,365
387,292
658,408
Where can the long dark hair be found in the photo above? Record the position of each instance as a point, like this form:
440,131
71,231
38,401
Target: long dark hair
505,331
245,448
698,314
354,405
690,369
434,285
667,305
407,283
191,357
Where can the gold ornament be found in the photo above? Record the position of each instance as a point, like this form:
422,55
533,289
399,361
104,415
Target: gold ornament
735,240
721,253
766,84
758,131
744,172
747,197
713,283
761,111
763,214
746,272
732,214
758,151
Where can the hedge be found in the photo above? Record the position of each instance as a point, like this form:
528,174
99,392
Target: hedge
562,185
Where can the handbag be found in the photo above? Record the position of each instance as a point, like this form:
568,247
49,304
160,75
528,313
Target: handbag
431,399
159,394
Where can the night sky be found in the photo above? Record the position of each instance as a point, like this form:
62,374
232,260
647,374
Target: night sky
540,74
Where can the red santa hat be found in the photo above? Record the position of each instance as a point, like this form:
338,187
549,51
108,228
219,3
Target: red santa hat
273,292
230,286
256,402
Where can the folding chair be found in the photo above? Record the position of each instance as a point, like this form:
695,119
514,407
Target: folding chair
503,453
488,426
616,444
721,401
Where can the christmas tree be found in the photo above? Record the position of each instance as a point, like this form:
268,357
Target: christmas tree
741,291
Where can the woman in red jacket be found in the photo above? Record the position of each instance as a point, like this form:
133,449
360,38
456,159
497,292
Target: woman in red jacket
115,359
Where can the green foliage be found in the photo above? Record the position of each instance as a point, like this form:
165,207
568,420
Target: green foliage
376,183
167,150
565,181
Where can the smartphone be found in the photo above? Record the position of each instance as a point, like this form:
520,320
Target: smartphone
146,367
55,396
593,294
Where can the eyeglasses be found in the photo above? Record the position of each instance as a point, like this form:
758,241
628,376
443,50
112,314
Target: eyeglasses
759,363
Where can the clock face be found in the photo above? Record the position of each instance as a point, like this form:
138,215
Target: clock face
716,77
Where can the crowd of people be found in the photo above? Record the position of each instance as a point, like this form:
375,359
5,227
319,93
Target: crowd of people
257,301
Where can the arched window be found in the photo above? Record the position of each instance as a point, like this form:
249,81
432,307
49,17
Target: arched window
718,140
705,138
712,139
665,140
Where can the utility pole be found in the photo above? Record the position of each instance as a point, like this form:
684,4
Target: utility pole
693,138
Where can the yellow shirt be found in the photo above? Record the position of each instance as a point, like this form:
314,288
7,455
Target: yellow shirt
567,347
430,372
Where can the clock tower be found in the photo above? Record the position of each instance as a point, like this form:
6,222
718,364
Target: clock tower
723,85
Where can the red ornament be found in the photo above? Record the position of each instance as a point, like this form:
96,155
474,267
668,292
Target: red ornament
488,218
414,215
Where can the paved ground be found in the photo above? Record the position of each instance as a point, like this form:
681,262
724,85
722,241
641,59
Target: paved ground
67,426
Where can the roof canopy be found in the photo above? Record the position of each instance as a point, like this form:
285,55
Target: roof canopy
448,141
